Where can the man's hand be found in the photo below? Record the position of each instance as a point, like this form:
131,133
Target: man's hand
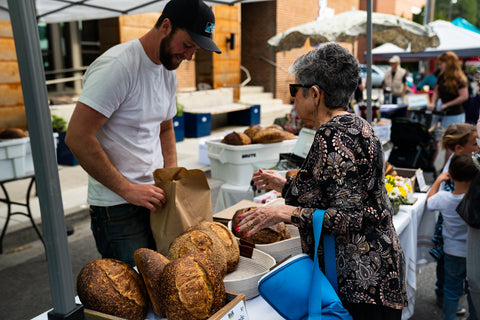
145,195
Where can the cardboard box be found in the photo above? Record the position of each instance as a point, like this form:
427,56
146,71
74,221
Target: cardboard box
234,300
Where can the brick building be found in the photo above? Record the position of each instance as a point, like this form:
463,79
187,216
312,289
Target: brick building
251,25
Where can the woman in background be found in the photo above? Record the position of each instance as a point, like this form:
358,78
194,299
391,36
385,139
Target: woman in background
451,90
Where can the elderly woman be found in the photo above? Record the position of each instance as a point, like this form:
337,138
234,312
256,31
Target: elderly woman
342,174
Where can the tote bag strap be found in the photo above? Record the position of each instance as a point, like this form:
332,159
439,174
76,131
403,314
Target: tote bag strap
315,305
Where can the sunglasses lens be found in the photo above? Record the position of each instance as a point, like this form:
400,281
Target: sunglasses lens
293,90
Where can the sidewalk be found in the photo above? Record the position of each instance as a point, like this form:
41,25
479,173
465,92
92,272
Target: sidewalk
73,183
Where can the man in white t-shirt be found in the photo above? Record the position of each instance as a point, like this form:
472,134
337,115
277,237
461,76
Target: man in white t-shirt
122,129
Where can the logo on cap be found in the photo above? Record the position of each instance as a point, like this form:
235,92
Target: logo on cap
209,28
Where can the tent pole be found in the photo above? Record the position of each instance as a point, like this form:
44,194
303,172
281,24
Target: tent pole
27,45
369,61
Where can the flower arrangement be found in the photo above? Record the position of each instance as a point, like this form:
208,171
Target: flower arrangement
398,189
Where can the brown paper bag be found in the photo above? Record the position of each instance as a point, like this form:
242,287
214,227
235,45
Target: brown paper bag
188,203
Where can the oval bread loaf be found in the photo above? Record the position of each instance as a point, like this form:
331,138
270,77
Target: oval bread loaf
204,241
237,139
228,239
192,288
112,287
150,264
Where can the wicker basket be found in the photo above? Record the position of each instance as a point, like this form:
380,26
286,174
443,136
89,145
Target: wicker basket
245,278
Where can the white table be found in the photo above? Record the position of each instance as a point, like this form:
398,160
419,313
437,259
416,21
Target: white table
411,222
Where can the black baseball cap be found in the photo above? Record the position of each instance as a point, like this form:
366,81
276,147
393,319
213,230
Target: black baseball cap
196,18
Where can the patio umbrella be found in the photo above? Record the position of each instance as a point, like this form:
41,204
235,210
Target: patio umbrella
350,25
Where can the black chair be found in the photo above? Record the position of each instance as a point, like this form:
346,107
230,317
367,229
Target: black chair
413,146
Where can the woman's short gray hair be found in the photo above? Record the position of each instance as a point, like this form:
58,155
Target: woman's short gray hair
332,68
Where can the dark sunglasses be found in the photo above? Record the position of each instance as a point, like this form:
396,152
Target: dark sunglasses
294,88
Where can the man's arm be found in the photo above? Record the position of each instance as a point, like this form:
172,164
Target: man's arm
169,147
82,141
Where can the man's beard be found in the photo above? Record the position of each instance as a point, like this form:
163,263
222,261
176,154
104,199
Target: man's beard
168,60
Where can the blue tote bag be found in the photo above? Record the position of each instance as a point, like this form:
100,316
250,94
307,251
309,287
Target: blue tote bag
298,290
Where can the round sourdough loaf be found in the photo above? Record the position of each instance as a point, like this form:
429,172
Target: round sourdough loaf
150,264
271,234
228,239
112,287
252,130
192,288
237,139
203,241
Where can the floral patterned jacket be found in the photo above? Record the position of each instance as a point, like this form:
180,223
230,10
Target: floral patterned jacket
343,174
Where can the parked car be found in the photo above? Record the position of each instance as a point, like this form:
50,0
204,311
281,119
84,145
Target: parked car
377,75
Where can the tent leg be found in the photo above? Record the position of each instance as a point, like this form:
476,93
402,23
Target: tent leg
27,46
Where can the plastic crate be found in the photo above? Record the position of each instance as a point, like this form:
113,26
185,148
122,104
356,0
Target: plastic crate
197,124
179,128
247,117
16,158
236,164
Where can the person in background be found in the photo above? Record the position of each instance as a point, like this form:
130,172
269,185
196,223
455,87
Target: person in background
395,79
458,138
121,129
428,82
461,171
358,95
342,174
451,90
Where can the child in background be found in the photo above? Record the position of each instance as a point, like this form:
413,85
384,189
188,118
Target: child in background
461,171
461,138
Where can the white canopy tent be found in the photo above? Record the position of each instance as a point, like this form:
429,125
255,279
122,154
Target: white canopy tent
24,15
52,11
463,42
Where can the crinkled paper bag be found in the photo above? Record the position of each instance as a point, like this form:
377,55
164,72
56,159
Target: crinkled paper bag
188,203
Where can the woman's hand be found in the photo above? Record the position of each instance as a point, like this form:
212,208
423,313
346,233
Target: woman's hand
268,180
264,217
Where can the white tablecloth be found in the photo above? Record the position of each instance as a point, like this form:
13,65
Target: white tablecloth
411,222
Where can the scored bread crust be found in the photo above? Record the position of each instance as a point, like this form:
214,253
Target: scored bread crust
204,241
228,239
272,135
112,287
192,288
150,264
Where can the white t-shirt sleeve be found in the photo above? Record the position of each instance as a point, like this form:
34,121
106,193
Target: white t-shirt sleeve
100,92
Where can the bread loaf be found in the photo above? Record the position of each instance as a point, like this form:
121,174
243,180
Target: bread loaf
227,238
272,135
13,133
204,241
252,130
237,139
150,264
192,288
271,234
112,287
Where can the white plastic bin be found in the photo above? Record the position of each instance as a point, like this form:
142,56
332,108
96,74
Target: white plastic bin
236,164
16,158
